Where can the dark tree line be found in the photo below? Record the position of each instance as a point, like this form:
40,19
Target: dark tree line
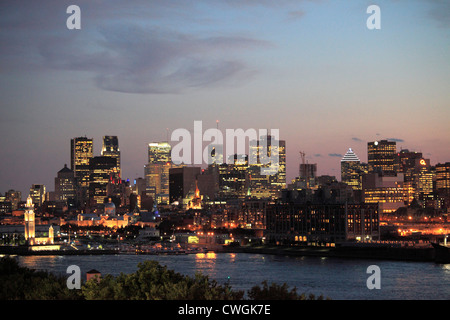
150,282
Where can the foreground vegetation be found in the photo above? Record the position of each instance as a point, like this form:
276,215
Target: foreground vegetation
150,282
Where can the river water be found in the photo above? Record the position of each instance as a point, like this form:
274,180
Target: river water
338,279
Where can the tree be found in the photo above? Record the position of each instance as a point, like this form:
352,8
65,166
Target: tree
277,292
20,283
155,282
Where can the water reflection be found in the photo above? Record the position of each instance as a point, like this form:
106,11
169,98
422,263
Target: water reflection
332,277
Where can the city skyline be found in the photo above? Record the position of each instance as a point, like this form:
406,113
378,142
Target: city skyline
139,70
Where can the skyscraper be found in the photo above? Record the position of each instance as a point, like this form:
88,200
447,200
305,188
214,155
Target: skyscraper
157,171
81,151
267,185
159,152
102,170
37,194
182,181
110,148
65,185
381,157
443,183
352,170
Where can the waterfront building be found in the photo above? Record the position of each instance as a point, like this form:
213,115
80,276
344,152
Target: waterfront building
382,157
30,227
306,223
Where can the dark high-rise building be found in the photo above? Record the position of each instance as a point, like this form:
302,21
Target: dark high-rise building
81,151
102,170
14,197
382,157
182,181
37,194
307,175
110,148
65,185
302,223
443,183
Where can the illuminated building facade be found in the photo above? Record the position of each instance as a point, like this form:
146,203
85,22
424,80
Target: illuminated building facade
29,220
418,177
159,152
381,157
352,170
443,183
30,227
387,191
157,171
110,148
81,151
289,223
37,194
102,171
14,197
233,182
267,185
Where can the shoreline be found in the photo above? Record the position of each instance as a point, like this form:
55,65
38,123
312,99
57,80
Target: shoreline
377,253
351,252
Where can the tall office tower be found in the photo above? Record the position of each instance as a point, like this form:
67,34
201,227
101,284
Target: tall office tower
102,171
352,170
159,152
381,157
263,185
307,175
14,197
418,176
65,185
157,171
37,194
81,151
232,177
407,161
182,181
443,183
110,148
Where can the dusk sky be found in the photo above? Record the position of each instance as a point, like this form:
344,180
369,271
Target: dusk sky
139,69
